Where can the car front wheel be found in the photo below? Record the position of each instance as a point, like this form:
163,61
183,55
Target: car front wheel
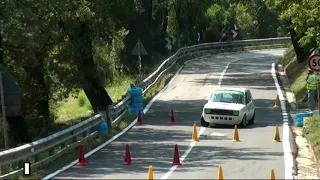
252,119
244,121
204,123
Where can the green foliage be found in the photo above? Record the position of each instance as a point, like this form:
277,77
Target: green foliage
304,16
312,133
82,100
246,22
48,45
296,73
252,18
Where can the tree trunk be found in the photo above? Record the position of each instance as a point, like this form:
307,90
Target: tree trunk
43,106
164,23
1,51
300,52
97,95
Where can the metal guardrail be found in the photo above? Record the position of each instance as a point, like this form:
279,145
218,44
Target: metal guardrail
12,160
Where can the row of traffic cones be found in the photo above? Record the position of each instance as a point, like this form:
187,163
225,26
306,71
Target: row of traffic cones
220,174
176,157
171,122
219,177
127,158
276,137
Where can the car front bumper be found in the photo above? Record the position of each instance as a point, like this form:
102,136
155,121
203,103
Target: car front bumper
222,119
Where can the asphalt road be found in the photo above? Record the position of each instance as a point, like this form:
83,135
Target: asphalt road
153,142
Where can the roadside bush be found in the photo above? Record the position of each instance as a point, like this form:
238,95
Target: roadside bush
312,134
82,100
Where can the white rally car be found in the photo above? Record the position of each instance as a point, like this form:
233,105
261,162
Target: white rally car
229,106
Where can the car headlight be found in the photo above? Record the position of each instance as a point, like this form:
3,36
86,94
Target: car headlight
207,111
236,113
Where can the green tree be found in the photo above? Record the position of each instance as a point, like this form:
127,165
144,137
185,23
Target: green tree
287,9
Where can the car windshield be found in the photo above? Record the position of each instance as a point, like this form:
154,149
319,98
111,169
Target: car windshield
228,96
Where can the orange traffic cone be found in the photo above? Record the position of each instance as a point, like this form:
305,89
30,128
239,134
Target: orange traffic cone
172,121
176,157
276,137
220,173
272,176
82,161
277,103
139,122
235,134
195,133
150,173
127,158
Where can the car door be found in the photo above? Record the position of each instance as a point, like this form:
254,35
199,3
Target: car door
252,105
247,104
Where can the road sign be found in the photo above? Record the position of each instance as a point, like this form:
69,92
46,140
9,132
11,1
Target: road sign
314,62
234,33
139,49
170,42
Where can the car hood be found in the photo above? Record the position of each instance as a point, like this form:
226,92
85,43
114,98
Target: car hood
227,106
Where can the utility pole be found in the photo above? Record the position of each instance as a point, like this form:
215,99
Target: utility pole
4,169
5,124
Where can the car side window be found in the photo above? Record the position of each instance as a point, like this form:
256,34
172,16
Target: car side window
248,97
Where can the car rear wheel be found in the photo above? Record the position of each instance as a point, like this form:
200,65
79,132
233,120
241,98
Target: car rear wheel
252,119
204,123
244,121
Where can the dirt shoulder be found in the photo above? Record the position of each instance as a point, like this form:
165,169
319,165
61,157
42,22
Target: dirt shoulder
305,162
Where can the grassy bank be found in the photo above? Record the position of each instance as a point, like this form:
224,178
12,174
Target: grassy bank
297,74
312,134
79,107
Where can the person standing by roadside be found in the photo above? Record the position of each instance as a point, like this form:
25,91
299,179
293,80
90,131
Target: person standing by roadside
312,79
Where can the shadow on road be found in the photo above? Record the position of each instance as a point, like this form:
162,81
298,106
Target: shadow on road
216,63
160,155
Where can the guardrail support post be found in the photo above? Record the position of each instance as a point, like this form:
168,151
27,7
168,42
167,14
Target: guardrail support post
21,164
3,170
36,158
108,118
62,145
74,139
84,134
51,151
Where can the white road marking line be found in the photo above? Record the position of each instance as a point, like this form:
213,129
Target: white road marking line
251,64
224,71
146,109
287,153
174,167
171,170
218,134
